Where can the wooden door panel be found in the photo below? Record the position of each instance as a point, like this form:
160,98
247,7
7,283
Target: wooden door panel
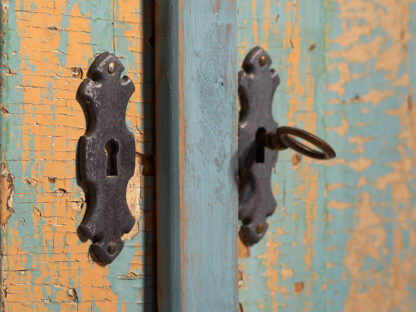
343,236
196,155
46,50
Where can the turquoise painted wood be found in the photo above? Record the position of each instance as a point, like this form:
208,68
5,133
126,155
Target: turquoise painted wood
343,237
45,47
197,194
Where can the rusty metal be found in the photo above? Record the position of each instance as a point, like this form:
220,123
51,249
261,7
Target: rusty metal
105,156
259,141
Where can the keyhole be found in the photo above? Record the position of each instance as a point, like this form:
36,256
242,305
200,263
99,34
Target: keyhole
260,145
111,149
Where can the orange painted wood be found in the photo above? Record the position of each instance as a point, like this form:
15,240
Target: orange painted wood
46,50
343,237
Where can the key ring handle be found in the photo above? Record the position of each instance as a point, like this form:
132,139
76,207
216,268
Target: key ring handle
284,137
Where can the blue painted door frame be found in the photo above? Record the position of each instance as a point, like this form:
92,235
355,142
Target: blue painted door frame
196,95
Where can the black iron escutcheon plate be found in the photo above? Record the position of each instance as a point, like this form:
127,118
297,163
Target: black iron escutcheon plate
256,87
105,156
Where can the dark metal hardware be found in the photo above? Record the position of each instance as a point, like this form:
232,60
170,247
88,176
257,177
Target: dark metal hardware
259,141
281,139
105,156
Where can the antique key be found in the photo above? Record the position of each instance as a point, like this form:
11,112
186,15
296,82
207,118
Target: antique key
260,139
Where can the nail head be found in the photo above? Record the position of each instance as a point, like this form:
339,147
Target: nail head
263,60
260,228
112,248
111,67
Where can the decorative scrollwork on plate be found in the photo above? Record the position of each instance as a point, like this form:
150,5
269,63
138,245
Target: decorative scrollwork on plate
106,156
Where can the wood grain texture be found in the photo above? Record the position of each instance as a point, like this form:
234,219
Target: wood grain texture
197,196
45,52
343,237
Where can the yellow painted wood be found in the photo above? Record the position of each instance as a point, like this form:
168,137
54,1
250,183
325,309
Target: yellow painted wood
47,47
343,237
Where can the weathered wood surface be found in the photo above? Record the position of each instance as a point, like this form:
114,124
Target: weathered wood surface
46,49
344,235
197,194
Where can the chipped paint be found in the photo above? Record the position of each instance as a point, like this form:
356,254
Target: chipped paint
6,195
47,49
343,236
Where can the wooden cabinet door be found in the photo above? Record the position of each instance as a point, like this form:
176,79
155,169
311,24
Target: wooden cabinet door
46,49
343,236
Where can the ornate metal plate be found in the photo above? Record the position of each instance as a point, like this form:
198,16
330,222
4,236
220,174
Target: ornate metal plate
105,156
257,84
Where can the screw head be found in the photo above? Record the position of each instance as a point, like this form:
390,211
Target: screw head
112,248
260,228
263,60
111,67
